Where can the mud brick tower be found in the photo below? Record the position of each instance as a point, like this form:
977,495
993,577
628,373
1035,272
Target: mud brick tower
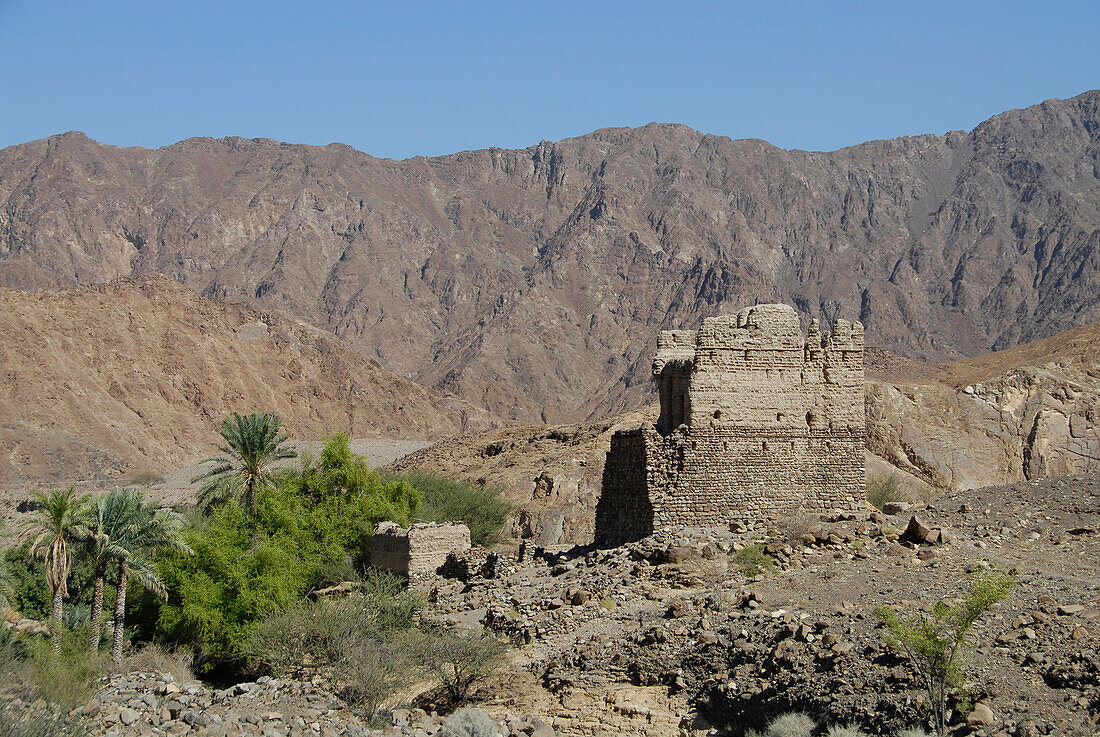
757,420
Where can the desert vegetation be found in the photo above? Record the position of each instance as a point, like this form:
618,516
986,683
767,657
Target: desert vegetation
227,583
936,642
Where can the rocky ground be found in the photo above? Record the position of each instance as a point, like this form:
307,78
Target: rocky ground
711,632
670,635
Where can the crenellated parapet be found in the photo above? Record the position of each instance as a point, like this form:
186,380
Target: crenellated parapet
756,368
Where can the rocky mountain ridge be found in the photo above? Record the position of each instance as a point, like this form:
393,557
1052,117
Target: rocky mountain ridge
532,282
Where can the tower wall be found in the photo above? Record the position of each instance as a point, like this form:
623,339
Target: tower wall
757,420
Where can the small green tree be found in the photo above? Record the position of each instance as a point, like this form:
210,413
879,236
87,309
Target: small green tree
310,529
481,508
935,644
252,444
460,659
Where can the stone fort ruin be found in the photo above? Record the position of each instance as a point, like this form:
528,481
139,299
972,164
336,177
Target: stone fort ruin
757,420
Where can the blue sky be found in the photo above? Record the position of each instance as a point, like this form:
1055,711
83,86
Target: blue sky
405,78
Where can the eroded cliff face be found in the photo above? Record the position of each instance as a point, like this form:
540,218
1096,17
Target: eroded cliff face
1025,413
530,281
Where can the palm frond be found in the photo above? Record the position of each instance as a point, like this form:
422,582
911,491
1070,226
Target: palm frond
60,519
144,573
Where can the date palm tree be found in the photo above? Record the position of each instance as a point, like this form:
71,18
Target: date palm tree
58,520
140,531
252,444
108,524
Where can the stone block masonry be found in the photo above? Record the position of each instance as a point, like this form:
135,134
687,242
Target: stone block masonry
417,550
757,420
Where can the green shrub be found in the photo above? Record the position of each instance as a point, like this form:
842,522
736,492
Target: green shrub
238,573
309,527
145,478
791,724
351,643
883,489
913,732
752,560
447,500
31,668
935,644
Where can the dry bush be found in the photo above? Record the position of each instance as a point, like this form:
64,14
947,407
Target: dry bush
460,659
884,489
153,658
356,645
795,527
849,730
791,724
469,722
16,722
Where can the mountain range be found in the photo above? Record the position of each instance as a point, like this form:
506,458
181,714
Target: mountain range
532,282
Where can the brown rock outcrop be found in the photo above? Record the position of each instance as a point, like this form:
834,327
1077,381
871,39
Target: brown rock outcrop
1025,413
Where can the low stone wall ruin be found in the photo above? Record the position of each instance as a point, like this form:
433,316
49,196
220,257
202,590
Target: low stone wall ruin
418,549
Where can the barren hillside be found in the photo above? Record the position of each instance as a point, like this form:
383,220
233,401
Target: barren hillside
137,375
531,281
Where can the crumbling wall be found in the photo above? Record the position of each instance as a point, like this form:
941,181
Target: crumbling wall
624,511
418,549
757,420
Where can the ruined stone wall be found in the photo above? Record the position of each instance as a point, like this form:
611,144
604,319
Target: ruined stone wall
712,476
757,420
756,369
419,549
624,511
673,365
